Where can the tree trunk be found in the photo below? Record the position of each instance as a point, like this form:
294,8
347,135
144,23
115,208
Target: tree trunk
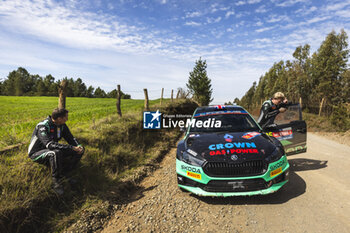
321,106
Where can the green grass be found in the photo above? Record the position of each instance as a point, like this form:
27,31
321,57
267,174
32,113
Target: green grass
19,115
116,148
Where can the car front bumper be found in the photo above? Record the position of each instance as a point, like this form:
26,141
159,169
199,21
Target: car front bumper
194,179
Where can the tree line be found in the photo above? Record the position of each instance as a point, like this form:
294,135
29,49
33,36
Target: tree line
323,77
21,83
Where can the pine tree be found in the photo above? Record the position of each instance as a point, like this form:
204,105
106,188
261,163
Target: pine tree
329,63
99,93
199,84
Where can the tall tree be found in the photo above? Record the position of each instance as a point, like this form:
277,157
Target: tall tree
345,84
247,99
17,82
89,92
50,85
329,63
99,93
41,89
1,87
79,88
199,84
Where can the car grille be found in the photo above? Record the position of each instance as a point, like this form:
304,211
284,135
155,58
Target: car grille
235,185
224,169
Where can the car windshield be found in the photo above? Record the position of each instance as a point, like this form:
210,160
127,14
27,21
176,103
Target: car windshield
232,121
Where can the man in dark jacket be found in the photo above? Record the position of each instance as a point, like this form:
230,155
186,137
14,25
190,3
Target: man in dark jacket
270,108
45,149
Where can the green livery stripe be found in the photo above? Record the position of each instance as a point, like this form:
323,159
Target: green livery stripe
43,155
44,123
285,142
201,192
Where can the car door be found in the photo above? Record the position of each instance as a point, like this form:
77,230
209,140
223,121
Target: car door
290,129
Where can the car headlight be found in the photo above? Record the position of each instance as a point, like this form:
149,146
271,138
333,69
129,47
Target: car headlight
189,157
275,155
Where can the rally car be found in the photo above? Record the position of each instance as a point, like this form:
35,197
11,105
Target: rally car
236,157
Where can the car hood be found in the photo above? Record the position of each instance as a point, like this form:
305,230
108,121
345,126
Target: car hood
230,146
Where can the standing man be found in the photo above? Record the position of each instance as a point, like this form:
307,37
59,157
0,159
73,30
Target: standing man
270,108
45,149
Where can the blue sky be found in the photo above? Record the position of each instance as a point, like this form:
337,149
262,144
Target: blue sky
155,43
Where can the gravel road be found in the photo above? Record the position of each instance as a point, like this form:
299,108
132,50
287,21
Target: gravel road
316,199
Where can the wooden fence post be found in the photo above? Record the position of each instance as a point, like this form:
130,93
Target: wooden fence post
321,106
161,97
172,95
146,99
119,111
178,93
301,103
62,94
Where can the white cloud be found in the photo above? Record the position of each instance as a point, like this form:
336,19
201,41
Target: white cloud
67,26
277,18
240,3
224,8
259,23
317,19
193,14
229,13
240,24
282,3
214,20
239,15
343,13
337,6
253,1
261,9
214,8
264,29
263,40
305,11
192,23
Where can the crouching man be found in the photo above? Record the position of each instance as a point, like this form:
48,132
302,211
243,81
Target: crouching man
45,149
271,108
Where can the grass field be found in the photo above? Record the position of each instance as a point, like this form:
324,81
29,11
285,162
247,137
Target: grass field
19,115
115,148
